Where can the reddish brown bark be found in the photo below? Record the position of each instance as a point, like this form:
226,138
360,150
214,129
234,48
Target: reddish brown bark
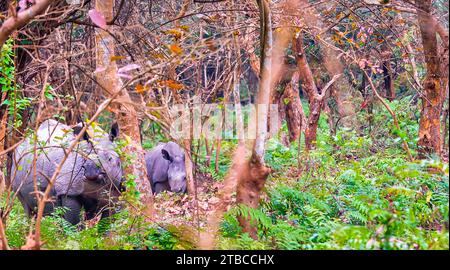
3,129
250,50
3,240
310,88
285,95
444,66
295,117
430,125
251,181
444,56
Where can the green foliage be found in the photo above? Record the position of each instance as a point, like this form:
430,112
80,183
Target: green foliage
277,154
152,131
131,194
224,160
126,231
16,225
7,68
15,102
376,203
382,130
353,193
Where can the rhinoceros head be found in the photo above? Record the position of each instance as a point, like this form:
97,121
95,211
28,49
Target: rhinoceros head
103,165
176,172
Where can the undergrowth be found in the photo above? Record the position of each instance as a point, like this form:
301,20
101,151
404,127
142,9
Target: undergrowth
357,190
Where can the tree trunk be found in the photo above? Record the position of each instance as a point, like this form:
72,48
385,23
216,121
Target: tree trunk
388,75
430,125
295,117
3,131
310,88
126,115
444,65
189,167
444,56
254,175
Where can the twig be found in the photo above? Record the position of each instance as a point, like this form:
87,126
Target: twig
22,18
405,144
329,84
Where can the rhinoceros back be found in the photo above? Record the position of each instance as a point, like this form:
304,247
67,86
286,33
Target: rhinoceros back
52,138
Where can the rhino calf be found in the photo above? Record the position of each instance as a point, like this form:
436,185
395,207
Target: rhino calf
166,169
91,177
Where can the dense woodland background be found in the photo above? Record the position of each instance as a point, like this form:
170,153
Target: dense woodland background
361,157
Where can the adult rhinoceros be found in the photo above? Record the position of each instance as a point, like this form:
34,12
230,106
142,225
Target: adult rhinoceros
91,177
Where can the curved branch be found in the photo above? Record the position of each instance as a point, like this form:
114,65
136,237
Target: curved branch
22,18
391,112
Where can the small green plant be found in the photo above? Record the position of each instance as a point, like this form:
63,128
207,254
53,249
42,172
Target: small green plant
16,103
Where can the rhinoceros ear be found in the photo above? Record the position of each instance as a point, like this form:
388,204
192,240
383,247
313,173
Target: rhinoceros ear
77,130
114,133
166,155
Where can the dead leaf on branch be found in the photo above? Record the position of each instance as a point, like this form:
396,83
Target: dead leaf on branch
174,48
117,58
174,85
173,32
210,43
140,89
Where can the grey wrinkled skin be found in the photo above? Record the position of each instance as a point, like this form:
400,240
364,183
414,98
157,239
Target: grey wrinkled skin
91,177
166,169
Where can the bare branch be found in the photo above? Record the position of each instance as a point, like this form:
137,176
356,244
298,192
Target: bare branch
24,17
